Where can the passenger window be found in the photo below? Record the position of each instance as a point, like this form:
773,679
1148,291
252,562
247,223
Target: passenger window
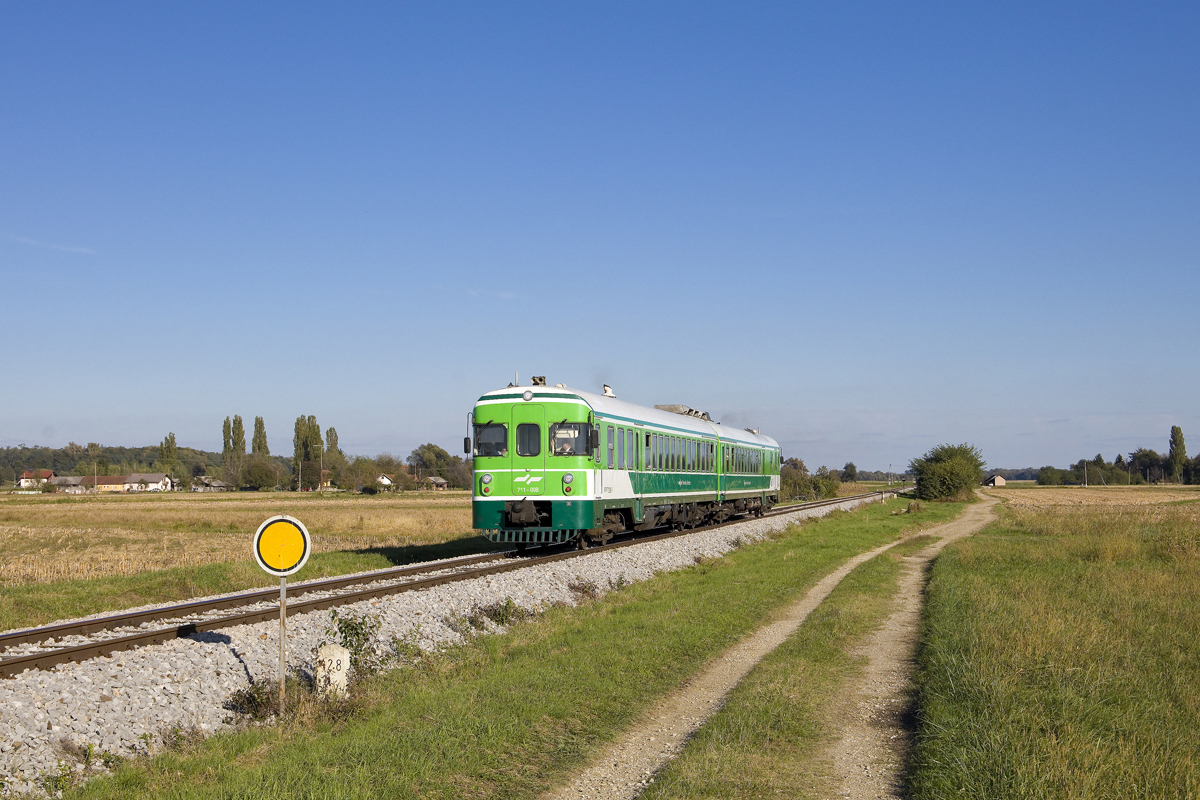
612,444
620,448
631,450
529,439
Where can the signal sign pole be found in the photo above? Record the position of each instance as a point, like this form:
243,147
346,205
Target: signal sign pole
281,546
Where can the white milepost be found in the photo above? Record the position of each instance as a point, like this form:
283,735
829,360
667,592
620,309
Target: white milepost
333,663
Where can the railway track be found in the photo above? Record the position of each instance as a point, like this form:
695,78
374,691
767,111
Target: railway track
43,648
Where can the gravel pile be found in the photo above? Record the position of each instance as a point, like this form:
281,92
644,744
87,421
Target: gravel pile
123,704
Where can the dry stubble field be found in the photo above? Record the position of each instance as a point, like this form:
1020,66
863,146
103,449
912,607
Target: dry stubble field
46,539
1031,496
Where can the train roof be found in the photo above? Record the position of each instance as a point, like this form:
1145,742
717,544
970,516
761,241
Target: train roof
610,406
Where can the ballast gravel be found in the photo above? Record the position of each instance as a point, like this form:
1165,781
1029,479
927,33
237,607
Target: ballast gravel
124,703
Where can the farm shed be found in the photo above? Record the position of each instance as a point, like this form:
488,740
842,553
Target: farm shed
204,483
995,480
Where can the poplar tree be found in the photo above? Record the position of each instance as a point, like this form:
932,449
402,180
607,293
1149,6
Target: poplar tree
306,445
259,445
168,452
239,436
226,438
1177,456
331,440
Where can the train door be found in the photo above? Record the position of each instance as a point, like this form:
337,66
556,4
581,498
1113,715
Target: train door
529,459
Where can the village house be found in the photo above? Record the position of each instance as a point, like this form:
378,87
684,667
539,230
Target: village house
434,482
105,484
34,478
148,482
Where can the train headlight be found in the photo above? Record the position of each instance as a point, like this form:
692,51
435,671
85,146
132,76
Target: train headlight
486,479
528,395
568,478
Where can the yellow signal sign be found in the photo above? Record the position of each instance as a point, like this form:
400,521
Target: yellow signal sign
281,545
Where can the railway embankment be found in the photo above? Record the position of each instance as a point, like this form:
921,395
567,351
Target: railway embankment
65,724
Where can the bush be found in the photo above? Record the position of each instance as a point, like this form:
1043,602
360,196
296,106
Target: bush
261,474
1050,476
948,472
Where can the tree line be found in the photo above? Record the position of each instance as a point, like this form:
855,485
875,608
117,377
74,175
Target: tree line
1142,466
315,452
796,484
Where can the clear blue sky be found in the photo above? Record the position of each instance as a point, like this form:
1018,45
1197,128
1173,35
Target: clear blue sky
866,229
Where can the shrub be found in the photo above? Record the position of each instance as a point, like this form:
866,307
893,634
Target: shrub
358,633
948,471
261,474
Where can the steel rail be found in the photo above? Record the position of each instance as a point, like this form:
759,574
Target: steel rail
46,659
84,627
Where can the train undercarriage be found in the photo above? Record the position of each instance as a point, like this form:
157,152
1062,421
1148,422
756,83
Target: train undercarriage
529,522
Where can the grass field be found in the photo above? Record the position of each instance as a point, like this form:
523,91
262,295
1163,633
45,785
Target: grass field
509,715
1059,652
71,556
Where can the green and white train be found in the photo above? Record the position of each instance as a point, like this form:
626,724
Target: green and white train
554,464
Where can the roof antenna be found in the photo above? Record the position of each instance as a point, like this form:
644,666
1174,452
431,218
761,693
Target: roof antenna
516,379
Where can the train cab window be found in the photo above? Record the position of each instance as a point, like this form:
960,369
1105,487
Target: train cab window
612,447
569,439
630,450
491,440
529,439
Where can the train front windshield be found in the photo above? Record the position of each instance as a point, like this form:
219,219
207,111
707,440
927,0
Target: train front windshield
491,440
569,439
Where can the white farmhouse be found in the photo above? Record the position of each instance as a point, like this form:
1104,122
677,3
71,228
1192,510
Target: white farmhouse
148,482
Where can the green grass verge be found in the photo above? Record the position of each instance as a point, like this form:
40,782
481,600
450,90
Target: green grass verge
1059,659
510,715
37,604
768,739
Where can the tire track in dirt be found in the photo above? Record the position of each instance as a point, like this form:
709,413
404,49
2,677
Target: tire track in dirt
625,767
868,759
